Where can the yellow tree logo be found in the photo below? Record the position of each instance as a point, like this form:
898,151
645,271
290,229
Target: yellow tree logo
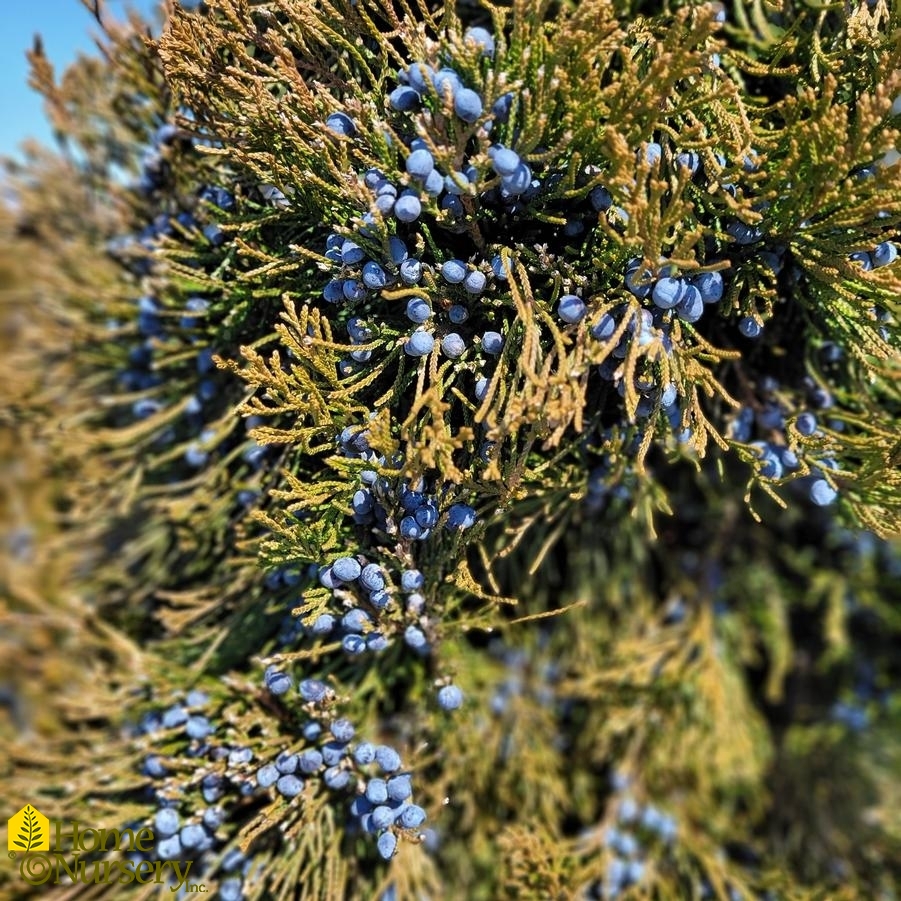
29,830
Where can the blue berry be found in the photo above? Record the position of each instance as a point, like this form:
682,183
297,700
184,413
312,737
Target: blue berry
410,529
822,493
446,79
399,787
356,620
749,327
192,835
412,816
691,306
806,424
309,761
492,343
353,290
198,727
454,271
286,763
481,388
460,516
341,124
497,267
690,160
412,580
418,310
213,818
885,253
377,791
419,344
482,38
277,682
434,183
467,104
323,624
453,345
411,272
571,309
419,76
458,313
289,786
407,208
313,690
351,252
652,153
387,758
347,569
379,599
374,277
230,890
336,778
450,697
518,181
372,578
603,328
387,845
420,163
668,292
415,638
475,282
501,107
710,286
505,161
404,99
342,729
381,817
364,753
166,822
333,752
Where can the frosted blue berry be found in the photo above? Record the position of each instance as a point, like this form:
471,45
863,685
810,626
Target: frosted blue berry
419,76
456,183
885,253
497,267
311,730
387,758
862,257
410,529
710,286
364,753
381,817
822,493
467,104
420,163
668,292
492,342
266,776
362,502
400,787
691,306
571,309
690,160
450,698
481,389
192,835
230,890
744,234
446,79
353,290
387,845
600,198
475,282
310,761
454,271
198,727
669,395
376,642
412,817
213,818
482,38
341,124
458,313
166,822
372,578
434,183
379,599
289,786
351,252
342,729
504,161
806,424
453,205
277,682
323,624
404,99
453,345
415,638
652,153
411,272
174,716
312,690
519,181
636,280
426,515
377,791
169,848
460,516
374,276
412,580
419,344
749,327
418,310
336,778
407,208
603,328
333,752
346,569
355,620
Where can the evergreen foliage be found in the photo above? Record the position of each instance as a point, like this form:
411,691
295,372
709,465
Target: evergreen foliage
454,449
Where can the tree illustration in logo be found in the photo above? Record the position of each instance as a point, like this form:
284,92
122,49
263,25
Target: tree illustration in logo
28,830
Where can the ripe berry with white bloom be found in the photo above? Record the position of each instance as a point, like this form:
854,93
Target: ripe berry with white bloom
412,580
418,310
482,38
346,569
404,99
749,327
450,698
387,845
374,277
668,292
691,306
407,208
387,758
420,163
710,286
453,345
372,578
504,161
571,309
885,253
467,104
822,493
419,344
454,271
475,282
341,124
492,342
411,272
412,816
460,516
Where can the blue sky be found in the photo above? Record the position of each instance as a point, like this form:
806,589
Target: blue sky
66,28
